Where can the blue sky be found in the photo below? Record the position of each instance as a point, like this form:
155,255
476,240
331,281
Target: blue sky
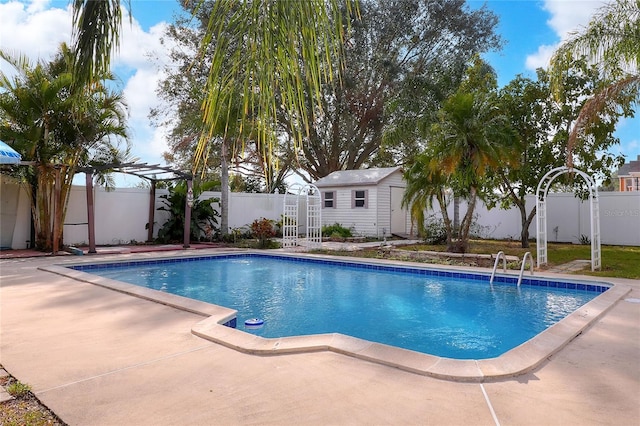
531,30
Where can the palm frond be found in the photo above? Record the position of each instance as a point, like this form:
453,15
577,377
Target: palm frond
97,25
611,40
266,47
608,100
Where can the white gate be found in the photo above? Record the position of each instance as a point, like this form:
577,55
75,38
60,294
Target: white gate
290,219
541,212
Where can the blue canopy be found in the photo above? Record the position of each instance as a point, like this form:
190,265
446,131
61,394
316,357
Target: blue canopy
8,155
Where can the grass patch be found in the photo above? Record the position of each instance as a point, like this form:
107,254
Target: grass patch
24,409
618,262
18,389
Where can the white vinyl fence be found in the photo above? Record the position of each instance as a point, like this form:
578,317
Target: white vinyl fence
121,216
568,219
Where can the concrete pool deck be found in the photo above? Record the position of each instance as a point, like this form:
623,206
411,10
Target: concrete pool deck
96,356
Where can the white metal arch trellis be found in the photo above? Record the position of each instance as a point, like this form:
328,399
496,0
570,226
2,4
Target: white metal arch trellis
541,213
313,217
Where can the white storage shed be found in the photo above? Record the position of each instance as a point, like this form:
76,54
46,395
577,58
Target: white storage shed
368,201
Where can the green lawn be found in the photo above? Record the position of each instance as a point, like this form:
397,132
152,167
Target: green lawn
617,261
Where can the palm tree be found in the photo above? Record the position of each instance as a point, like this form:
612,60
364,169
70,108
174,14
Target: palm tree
426,184
611,40
58,129
470,139
272,44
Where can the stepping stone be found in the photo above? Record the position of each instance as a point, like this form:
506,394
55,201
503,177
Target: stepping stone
4,396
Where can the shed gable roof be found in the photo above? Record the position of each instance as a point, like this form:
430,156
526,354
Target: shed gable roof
356,177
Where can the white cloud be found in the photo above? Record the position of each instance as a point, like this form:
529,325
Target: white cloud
570,15
136,45
566,16
148,142
157,144
36,28
541,58
38,6
140,94
139,55
32,30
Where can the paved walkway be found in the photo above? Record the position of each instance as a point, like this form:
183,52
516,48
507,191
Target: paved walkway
99,357
571,267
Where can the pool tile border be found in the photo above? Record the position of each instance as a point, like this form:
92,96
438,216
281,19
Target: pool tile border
522,359
598,287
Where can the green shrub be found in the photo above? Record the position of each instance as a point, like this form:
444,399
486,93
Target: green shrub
204,220
435,231
263,230
336,231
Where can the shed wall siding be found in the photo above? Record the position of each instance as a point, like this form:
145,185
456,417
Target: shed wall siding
372,220
384,202
362,221
384,209
394,180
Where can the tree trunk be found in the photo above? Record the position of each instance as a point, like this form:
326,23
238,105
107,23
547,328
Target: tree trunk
524,232
57,210
524,237
461,244
456,216
445,218
42,209
526,222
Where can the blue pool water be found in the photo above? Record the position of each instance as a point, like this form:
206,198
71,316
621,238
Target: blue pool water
449,314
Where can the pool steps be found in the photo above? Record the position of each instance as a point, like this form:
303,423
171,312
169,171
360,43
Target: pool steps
504,265
495,265
524,262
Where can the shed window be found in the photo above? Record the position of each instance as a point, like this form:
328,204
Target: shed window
359,198
329,200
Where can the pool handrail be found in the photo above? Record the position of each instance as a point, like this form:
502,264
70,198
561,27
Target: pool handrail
495,265
524,262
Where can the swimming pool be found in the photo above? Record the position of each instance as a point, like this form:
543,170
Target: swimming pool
443,313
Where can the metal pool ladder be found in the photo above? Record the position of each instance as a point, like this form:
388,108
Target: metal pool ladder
495,265
524,262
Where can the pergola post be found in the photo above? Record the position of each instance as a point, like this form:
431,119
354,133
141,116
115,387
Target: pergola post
152,210
90,212
187,214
